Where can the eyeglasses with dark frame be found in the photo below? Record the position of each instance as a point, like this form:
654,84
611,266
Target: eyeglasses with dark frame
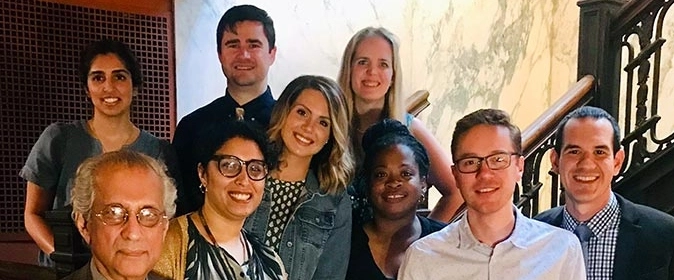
115,214
495,161
230,166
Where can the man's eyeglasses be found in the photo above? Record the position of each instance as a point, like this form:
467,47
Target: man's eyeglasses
116,214
231,166
496,161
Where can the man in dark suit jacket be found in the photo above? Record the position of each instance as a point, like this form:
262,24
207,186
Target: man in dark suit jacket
623,240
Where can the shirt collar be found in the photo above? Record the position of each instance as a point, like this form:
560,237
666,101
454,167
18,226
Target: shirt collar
517,237
95,274
606,219
263,98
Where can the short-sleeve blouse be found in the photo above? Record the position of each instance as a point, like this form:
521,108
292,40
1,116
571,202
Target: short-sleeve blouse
62,147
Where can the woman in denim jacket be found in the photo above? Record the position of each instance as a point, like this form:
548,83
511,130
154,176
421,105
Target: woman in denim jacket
305,214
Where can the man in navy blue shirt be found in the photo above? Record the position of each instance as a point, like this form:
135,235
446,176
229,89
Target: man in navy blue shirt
246,49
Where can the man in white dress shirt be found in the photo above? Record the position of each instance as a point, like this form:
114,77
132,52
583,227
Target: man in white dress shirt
493,240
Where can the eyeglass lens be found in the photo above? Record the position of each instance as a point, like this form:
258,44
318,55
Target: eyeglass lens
494,162
117,214
231,166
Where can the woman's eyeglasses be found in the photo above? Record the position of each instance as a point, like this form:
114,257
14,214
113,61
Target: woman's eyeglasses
231,166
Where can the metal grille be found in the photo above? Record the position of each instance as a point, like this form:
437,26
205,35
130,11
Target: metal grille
39,47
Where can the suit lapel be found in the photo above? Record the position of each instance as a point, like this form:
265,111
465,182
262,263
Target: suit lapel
626,247
558,217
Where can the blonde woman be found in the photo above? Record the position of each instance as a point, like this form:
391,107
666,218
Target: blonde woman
305,214
371,78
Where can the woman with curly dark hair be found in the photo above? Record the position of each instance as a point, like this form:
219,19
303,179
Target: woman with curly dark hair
388,190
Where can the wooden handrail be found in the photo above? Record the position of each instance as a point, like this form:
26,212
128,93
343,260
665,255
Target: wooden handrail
417,102
544,126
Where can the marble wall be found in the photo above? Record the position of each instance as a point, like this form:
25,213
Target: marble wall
519,56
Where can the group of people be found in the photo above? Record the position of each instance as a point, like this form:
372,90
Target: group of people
612,238
325,182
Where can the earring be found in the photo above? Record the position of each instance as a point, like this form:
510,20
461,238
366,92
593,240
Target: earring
202,188
421,198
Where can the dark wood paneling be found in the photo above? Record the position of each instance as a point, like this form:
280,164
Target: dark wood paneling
40,42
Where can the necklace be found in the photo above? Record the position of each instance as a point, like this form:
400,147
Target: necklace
93,133
242,241
358,124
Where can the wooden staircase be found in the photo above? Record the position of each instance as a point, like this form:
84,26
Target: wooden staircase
620,50
616,73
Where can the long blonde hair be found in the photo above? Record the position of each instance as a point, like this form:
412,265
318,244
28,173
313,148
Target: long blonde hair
334,165
393,106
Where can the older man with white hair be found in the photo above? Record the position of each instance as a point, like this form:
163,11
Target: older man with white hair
122,201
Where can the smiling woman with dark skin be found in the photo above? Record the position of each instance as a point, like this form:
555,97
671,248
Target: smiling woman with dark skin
111,78
390,186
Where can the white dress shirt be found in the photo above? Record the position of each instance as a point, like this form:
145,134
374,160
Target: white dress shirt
534,250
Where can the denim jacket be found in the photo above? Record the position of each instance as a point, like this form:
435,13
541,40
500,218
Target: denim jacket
317,239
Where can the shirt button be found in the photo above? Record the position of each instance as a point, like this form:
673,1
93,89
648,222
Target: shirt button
242,274
289,244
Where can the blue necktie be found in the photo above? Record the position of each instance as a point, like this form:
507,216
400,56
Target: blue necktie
584,233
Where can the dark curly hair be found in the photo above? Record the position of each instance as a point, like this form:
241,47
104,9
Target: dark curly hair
377,138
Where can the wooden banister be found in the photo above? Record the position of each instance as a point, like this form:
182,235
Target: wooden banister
544,126
417,102
536,142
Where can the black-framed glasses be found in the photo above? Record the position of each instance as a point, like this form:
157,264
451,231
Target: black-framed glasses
231,166
495,161
115,214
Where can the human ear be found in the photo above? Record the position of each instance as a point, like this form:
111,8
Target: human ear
81,225
554,160
618,162
203,175
424,185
